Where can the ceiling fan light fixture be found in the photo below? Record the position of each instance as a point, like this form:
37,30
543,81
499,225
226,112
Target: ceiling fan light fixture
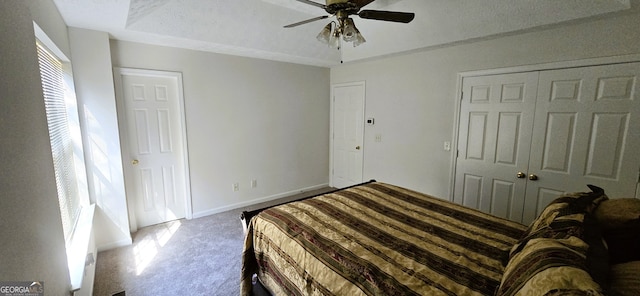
325,35
345,28
349,30
335,38
359,39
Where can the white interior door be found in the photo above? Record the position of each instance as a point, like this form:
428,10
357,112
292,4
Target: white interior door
496,116
348,130
586,131
157,178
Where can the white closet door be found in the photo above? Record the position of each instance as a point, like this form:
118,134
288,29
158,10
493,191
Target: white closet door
586,131
496,117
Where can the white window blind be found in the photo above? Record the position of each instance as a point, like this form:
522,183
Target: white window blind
53,85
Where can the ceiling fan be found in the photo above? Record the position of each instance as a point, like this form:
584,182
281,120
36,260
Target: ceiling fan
345,27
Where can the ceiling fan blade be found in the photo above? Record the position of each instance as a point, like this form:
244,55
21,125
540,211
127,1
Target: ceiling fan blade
306,21
390,16
313,3
362,3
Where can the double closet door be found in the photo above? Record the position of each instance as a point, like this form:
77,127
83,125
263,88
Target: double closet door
526,138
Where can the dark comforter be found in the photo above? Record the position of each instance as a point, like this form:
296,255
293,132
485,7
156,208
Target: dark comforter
377,239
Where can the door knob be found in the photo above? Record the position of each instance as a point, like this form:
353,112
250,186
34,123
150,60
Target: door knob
357,147
520,175
533,177
134,162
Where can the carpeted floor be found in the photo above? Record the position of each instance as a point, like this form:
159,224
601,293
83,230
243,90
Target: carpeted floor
184,257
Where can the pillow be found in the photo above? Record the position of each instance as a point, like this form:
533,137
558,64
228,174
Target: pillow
549,266
625,279
562,252
563,216
617,212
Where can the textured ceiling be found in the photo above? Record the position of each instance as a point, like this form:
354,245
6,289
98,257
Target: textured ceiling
254,28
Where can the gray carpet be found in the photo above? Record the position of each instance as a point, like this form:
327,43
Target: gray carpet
184,257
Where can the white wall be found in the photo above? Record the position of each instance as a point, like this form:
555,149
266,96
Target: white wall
246,119
93,76
33,246
413,96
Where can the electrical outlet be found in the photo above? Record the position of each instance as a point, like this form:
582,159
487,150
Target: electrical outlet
254,183
447,146
378,137
236,187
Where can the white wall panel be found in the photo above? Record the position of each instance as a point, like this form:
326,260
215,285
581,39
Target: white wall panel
480,94
606,144
502,195
164,130
559,137
508,138
477,135
512,93
472,192
141,118
615,88
168,184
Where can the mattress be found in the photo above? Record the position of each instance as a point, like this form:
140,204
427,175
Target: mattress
377,239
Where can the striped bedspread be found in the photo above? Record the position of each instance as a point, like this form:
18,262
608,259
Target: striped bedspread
377,239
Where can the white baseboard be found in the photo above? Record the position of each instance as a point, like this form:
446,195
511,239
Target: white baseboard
113,245
256,201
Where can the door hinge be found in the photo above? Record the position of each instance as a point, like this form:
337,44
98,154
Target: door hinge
457,153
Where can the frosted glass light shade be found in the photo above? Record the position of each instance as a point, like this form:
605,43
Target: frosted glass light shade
325,35
349,30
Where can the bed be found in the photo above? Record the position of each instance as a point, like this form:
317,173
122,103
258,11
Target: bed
381,239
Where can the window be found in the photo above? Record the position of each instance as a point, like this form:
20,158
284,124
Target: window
68,154
66,149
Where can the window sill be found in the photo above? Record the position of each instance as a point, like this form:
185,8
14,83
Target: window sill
78,247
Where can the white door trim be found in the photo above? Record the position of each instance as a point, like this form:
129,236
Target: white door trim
124,140
331,106
517,69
